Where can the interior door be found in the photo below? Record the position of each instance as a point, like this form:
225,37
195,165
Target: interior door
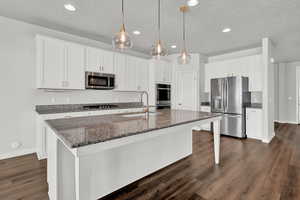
187,90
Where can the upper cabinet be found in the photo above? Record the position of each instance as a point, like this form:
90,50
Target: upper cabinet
60,64
132,74
98,60
163,71
249,66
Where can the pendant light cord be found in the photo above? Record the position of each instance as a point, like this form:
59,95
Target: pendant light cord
183,28
158,19
123,12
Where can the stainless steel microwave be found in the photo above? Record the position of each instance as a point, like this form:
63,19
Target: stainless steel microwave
99,81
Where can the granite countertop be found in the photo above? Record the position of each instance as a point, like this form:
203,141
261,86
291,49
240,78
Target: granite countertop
67,108
82,131
254,105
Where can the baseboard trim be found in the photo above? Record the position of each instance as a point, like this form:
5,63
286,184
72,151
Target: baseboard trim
17,153
268,140
286,122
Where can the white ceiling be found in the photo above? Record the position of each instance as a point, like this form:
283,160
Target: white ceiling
250,20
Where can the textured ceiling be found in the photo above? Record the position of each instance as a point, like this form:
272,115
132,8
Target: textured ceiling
250,20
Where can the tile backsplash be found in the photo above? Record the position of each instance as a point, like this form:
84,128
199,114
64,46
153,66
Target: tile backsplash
256,97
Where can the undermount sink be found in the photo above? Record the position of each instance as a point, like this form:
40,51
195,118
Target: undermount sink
141,114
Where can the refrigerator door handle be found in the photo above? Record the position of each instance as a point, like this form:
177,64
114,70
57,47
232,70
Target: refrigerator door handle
227,87
223,95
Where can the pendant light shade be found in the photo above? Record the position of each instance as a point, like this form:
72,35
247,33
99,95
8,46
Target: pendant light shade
158,48
122,40
184,57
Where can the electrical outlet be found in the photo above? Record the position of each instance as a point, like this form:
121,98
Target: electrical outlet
52,100
16,145
68,99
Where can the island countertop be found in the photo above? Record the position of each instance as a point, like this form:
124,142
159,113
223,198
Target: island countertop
81,131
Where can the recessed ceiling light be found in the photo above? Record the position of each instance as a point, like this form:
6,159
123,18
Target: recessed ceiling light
226,30
192,2
136,32
70,7
173,46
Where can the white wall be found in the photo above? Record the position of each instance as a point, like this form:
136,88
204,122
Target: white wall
287,90
17,85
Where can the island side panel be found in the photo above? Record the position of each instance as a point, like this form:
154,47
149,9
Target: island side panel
104,172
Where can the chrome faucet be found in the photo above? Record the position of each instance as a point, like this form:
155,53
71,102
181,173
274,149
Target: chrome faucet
147,107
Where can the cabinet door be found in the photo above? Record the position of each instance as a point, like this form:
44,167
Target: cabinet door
186,97
120,71
254,123
53,64
131,76
107,62
159,71
255,73
142,75
98,60
205,127
93,59
168,69
75,66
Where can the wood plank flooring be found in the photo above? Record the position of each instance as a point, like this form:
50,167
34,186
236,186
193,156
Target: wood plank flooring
249,170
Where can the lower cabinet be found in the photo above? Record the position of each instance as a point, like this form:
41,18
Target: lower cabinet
205,127
254,123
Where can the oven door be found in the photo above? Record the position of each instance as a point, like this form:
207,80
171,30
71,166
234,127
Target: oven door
99,81
163,96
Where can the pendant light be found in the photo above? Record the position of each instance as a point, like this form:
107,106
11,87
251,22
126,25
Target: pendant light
158,49
184,57
122,39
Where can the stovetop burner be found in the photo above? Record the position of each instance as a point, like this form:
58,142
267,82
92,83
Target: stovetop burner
100,106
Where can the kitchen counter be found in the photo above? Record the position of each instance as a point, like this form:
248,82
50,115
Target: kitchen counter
254,105
68,108
82,131
91,157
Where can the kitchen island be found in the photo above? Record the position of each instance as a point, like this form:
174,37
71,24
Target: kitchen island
90,157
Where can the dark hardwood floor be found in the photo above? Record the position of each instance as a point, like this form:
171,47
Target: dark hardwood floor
249,170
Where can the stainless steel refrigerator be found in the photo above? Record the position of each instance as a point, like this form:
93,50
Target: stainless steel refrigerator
228,96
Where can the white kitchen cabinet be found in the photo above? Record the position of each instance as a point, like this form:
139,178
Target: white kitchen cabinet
120,72
98,60
60,64
142,74
74,69
254,127
163,71
205,127
255,73
249,66
186,90
132,73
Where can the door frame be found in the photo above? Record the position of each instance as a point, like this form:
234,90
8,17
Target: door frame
297,93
